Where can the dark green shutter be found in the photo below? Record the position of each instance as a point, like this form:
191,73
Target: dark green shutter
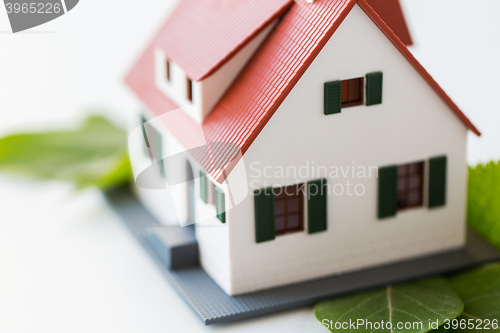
143,121
264,215
220,205
333,97
387,191
203,187
374,87
159,151
317,195
437,181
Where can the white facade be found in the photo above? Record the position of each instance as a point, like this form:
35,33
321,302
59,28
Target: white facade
412,124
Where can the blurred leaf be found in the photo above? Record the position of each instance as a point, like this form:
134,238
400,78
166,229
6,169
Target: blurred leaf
93,155
480,291
484,201
430,299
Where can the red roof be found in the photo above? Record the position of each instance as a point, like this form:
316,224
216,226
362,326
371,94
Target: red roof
263,84
391,12
201,35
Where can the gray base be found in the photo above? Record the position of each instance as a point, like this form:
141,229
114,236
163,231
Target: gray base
175,246
213,305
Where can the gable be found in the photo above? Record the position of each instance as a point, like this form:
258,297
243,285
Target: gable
265,81
412,123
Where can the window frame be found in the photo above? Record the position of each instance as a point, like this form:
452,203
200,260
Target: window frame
404,187
281,194
349,88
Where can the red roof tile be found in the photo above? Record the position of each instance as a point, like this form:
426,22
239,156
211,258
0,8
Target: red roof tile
263,84
201,35
391,12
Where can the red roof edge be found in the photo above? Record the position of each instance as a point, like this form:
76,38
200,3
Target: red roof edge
404,50
223,61
392,13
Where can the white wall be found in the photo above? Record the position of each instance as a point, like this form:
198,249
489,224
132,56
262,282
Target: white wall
169,205
412,124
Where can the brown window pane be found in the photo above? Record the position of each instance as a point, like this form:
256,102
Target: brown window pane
279,207
167,70
352,92
189,90
280,224
293,222
293,205
345,91
289,209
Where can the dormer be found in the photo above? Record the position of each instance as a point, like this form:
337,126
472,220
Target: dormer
196,60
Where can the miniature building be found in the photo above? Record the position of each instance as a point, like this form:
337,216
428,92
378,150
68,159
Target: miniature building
270,87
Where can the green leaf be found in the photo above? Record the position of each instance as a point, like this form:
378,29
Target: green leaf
480,291
422,302
93,155
484,201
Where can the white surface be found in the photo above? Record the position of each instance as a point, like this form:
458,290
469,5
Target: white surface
412,124
67,264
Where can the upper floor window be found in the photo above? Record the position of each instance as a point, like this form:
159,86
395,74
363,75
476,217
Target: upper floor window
352,92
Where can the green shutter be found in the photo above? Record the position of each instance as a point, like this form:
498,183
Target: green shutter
143,121
374,87
159,151
317,195
333,97
203,187
220,205
437,181
264,215
387,191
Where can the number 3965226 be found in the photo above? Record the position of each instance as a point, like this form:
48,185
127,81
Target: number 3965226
40,8
477,324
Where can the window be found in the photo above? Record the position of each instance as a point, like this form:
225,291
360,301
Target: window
401,187
289,209
410,185
167,70
346,93
352,92
189,89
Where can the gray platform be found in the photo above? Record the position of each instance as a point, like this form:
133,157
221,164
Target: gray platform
213,305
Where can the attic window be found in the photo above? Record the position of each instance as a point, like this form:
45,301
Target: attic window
167,70
352,92
189,89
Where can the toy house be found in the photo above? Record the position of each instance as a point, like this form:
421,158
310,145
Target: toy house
317,144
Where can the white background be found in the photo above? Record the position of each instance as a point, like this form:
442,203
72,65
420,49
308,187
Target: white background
66,262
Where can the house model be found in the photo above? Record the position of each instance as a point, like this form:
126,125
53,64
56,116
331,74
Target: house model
308,141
